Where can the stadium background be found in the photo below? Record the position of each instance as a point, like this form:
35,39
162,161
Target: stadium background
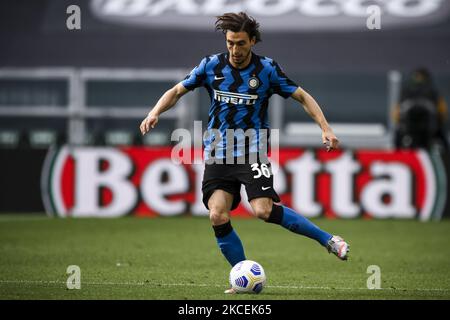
92,87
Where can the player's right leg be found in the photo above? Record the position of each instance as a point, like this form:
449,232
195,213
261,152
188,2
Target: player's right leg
219,204
221,194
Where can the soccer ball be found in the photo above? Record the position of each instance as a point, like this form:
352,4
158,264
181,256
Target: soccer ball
247,277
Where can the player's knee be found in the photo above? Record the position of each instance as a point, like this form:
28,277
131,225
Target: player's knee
218,215
263,212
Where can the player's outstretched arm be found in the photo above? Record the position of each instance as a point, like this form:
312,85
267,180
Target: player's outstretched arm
167,101
313,109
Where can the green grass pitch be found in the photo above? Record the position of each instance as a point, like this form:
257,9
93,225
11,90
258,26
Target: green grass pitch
177,258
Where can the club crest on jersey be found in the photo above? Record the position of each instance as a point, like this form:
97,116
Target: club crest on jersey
235,98
253,83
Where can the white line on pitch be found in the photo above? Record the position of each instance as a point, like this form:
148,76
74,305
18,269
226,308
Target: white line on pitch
156,284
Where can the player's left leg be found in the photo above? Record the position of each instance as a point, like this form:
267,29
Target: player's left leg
258,181
265,209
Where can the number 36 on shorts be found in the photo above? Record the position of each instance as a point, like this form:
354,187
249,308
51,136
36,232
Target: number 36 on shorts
261,170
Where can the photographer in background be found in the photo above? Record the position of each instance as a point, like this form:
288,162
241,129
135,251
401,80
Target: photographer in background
421,113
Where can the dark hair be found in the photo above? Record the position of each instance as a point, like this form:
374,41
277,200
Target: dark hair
238,22
423,72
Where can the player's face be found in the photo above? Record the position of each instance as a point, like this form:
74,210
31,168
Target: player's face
239,47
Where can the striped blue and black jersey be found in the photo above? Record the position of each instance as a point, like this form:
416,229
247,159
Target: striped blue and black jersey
239,100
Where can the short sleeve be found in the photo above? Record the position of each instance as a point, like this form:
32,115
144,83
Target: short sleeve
196,78
280,83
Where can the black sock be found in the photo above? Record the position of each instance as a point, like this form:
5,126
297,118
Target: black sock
276,216
223,229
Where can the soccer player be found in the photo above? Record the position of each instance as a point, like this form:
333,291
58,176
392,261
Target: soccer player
240,84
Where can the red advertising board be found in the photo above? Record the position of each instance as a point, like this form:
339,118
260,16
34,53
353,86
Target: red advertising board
111,182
